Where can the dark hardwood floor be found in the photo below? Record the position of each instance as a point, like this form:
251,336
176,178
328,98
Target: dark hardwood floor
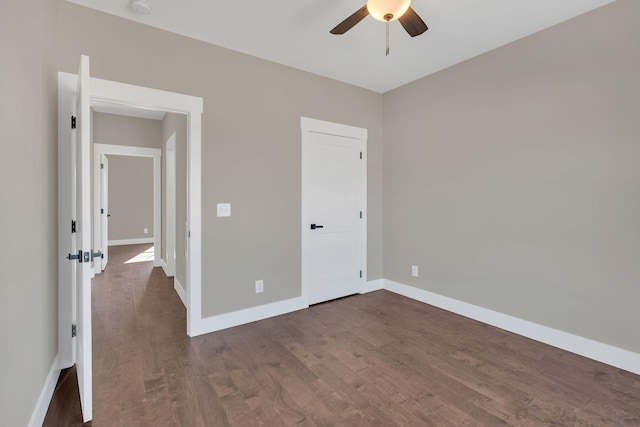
64,409
374,359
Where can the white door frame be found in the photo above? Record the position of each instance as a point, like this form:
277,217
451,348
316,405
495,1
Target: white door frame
170,205
146,98
100,150
309,126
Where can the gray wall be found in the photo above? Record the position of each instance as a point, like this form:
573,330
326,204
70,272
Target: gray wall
178,123
28,193
250,145
122,130
512,179
130,197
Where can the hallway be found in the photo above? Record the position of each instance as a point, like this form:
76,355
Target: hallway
139,327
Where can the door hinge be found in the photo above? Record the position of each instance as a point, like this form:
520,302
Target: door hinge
361,155
74,331
73,122
73,226
101,165
361,274
102,211
360,214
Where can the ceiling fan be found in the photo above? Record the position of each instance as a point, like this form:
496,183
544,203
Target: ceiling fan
386,11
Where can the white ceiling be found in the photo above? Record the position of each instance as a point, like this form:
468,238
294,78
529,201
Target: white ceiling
296,32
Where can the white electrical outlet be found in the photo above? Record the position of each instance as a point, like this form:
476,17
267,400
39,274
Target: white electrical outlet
146,231
414,270
259,286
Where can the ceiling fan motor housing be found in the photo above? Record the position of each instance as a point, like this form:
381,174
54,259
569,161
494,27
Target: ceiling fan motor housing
387,10
141,7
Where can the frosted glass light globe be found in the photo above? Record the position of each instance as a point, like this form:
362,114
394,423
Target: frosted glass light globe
380,8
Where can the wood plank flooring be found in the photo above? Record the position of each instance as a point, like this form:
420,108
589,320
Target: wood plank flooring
375,359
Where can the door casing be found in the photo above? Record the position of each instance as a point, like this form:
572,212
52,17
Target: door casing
100,150
170,206
104,208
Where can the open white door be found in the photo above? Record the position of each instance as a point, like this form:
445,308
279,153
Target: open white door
104,208
83,239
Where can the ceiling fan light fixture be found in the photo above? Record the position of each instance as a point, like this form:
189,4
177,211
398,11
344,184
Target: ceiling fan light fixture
381,9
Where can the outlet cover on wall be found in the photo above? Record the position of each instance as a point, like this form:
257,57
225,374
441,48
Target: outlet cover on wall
259,286
146,231
414,270
224,209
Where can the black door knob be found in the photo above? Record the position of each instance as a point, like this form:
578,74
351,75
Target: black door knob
314,226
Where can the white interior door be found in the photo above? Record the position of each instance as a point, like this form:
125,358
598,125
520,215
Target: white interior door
66,216
104,209
83,239
333,195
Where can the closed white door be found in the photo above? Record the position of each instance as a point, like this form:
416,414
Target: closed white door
333,223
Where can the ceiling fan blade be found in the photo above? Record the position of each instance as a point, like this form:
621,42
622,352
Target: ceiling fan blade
412,23
351,21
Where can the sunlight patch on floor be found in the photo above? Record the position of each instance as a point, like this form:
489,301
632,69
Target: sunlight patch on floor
142,256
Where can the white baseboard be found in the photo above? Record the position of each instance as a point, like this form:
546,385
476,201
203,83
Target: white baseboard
40,410
253,314
182,293
123,242
164,267
605,353
372,285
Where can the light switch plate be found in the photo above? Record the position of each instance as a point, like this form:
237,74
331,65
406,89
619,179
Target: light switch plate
224,209
414,270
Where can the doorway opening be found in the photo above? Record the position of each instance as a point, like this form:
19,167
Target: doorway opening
102,154
75,93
